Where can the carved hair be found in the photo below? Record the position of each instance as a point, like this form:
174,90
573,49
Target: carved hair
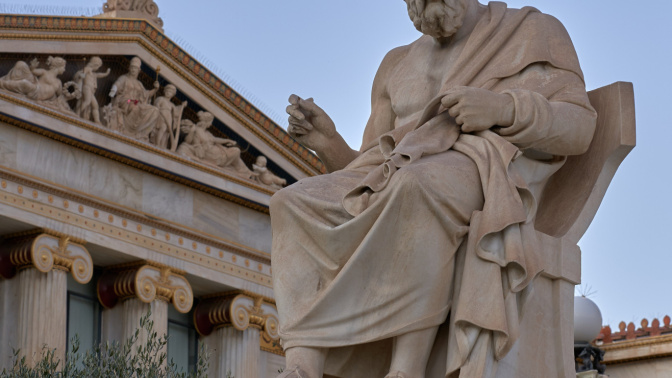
436,24
95,60
56,62
205,118
136,62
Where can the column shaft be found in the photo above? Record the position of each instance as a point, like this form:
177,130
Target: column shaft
134,309
42,313
234,351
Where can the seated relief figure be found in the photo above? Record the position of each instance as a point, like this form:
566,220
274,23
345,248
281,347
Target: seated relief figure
430,222
130,110
264,176
39,84
199,144
167,126
87,82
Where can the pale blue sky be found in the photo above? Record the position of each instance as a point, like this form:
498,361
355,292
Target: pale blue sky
330,50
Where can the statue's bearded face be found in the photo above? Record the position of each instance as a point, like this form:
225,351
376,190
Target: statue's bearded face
437,18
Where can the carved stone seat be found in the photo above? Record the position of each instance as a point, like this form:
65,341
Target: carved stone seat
567,207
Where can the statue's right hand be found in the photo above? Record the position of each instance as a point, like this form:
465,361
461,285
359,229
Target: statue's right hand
309,124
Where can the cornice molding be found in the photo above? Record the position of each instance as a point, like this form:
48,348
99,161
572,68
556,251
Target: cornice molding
146,281
45,250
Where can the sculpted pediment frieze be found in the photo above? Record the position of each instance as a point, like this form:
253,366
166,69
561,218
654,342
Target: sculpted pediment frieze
128,97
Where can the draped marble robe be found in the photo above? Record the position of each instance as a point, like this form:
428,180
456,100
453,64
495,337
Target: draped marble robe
428,220
137,117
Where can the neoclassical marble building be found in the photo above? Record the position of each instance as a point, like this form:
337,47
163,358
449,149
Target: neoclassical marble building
130,180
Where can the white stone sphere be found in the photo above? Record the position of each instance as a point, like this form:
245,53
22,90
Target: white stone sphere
587,320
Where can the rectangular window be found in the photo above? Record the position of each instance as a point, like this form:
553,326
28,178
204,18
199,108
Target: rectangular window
83,320
84,314
182,340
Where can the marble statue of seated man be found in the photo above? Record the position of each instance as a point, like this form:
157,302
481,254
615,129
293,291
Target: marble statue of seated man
430,222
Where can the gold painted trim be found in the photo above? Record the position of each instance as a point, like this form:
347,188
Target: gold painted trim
140,263
38,231
75,214
137,239
133,214
180,71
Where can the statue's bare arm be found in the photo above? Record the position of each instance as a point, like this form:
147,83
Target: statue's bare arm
313,128
382,117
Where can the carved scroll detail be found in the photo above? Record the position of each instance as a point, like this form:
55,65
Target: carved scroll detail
241,311
46,250
147,281
142,7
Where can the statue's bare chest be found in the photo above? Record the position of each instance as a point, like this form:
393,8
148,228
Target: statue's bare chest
418,78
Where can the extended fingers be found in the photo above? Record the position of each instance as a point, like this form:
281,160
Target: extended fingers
294,99
293,111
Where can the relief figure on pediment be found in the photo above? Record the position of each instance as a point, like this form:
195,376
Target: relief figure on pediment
87,82
39,84
266,177
130,111
199,144
167,127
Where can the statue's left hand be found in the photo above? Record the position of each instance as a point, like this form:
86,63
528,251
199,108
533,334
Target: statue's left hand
477,109
156,85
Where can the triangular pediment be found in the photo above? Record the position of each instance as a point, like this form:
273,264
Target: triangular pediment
198,91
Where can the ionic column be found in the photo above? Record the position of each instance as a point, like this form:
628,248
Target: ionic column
234,325
42,259
142,287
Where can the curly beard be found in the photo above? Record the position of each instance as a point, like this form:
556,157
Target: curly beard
437,19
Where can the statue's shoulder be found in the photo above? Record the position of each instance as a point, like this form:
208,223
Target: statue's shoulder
537,21
120,80
396,54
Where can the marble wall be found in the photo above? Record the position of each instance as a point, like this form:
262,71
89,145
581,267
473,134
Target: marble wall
120,184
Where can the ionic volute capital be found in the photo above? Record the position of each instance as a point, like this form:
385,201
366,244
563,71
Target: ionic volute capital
146,281
45,250
238,310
